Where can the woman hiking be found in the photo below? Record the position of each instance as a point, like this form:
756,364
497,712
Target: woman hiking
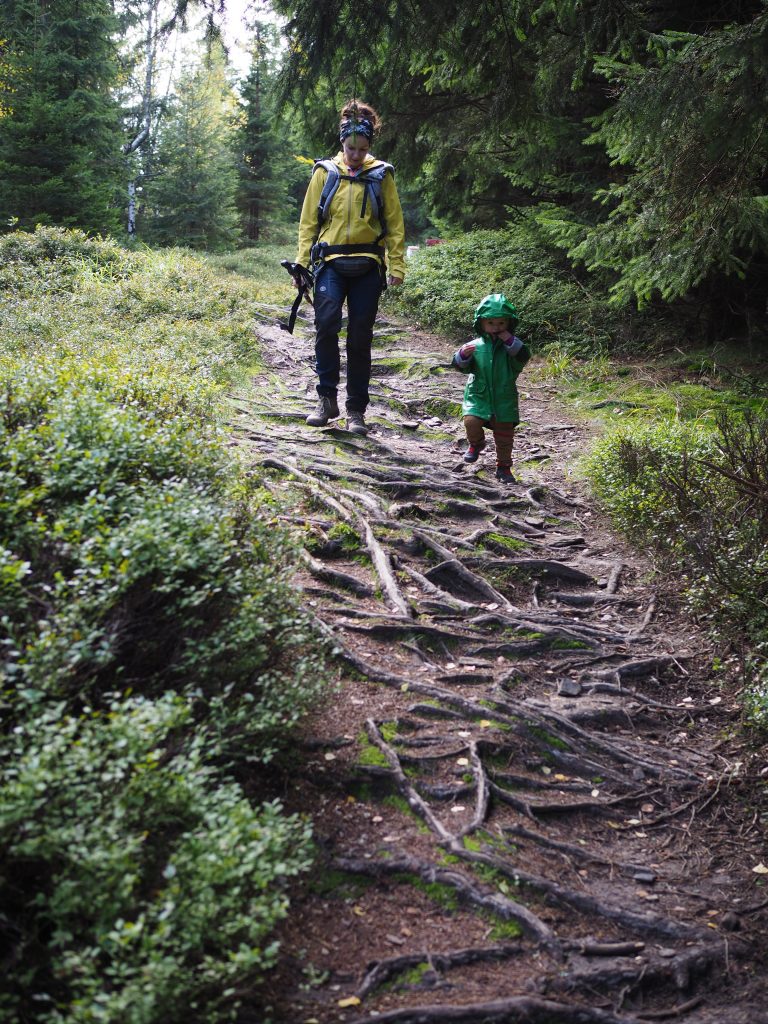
352,236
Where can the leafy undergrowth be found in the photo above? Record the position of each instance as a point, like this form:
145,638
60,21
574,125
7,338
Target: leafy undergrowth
154,655
445,283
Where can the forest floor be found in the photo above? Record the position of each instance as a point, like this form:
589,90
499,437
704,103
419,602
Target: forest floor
530,795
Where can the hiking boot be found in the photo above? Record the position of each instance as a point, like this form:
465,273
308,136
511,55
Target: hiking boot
327,409
504,475
472,454
356,422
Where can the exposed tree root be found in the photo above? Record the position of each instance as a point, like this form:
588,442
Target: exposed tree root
380,973
495,903
516,1010
489,595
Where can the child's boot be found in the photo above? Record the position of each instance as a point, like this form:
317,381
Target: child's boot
504,475
472,454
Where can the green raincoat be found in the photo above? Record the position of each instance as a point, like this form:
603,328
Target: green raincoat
491,390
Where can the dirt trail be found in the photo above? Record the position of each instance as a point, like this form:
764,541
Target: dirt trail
523,796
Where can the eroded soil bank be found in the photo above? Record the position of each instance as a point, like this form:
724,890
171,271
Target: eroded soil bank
529,794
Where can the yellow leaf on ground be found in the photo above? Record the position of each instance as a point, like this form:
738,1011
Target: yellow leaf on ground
760,869
351,1001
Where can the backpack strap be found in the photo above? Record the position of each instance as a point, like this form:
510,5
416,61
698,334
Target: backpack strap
372,179
332,179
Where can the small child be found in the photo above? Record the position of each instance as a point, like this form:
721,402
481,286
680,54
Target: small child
493,361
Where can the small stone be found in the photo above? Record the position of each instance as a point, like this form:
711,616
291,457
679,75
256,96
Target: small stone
646,877
730,921
568,688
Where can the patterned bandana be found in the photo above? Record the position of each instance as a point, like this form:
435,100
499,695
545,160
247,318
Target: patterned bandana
356,127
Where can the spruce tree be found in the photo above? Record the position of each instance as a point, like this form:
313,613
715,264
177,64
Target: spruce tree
190,198
266,163
60,137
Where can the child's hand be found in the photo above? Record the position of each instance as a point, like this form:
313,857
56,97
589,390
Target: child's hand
467,350
505,335
513,345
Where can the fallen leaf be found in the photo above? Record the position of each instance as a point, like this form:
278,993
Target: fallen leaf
351,1001
395,940
560,778
633,821
404,689
485,723
640,835
329,757
359,911
457,809
463,761
716,700
545,770
595,792
376,819
647,808
760,869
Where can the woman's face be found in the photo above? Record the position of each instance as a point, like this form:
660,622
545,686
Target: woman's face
355,150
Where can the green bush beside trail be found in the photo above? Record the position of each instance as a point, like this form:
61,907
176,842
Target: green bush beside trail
698,494
444,284
154,655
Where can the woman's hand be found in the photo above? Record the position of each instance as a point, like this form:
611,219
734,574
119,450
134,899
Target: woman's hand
393,281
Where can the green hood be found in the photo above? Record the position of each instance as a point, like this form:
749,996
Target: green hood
495,305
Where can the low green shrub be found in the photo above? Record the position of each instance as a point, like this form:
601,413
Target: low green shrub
154,655
444,284
156,883
700,496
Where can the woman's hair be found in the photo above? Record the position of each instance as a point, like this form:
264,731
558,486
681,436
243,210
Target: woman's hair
356,110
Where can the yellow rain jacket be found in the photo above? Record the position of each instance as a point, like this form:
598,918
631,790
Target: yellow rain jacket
345,226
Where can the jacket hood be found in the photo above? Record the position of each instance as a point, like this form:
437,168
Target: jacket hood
493,306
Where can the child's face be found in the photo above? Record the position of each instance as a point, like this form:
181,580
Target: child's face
494,324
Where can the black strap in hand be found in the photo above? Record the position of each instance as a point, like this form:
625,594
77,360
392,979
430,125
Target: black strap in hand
305,282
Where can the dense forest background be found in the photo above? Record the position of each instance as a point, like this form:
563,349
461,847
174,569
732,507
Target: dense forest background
602,161
631,133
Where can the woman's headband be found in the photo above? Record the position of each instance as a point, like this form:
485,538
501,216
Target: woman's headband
360,126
